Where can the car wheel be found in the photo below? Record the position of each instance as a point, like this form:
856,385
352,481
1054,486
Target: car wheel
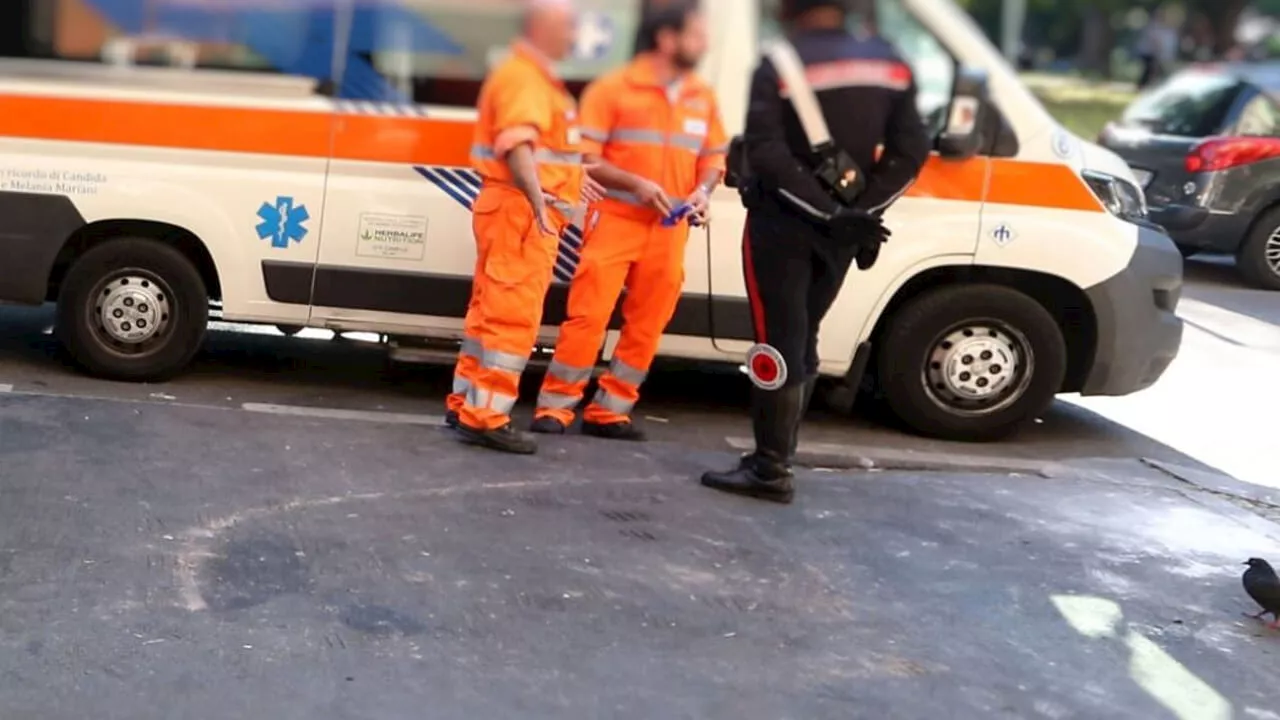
289,330
132,309
1259,257
971,362
1188,251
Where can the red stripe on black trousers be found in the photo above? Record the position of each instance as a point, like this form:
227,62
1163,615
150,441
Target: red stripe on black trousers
753,286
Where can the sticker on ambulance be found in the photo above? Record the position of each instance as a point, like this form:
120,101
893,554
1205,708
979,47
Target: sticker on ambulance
694,126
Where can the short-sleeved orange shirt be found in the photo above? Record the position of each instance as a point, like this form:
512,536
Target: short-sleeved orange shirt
670,135
522,100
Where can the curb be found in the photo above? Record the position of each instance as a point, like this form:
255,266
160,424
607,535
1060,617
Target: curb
843,457
1216,482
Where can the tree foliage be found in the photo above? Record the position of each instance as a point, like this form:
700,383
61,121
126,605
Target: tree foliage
1060,25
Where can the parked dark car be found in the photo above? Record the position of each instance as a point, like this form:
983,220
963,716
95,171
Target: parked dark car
1205,145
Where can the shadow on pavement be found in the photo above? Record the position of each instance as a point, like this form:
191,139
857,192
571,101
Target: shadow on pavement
695,406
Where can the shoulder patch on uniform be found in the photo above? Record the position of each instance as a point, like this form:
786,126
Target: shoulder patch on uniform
857,72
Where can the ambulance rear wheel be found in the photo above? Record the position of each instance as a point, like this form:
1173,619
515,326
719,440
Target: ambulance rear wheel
132,309
971,362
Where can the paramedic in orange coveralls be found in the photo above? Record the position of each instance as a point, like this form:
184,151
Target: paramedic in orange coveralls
526,149
652,136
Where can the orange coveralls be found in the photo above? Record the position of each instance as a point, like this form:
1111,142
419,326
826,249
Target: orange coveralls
670,135
522,100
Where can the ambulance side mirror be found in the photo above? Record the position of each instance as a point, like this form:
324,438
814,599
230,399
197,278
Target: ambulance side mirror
962,138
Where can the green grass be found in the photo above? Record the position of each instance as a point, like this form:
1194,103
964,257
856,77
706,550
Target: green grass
1082,106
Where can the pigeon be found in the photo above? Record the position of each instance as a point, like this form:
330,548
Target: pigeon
1262,584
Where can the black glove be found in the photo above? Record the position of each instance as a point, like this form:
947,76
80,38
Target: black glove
865,231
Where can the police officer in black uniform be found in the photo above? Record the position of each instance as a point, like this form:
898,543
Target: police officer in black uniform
806,224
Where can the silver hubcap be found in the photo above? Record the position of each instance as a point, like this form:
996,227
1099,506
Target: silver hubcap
132,310
978,368
1273,251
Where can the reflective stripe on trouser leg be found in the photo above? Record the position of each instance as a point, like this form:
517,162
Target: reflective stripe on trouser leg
653,290
515,277
562,390
609,252
463,371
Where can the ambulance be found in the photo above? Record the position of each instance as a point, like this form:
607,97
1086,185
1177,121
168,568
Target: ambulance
306,165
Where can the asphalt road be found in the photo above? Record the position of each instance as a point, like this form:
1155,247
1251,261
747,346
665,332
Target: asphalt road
284,532
161,561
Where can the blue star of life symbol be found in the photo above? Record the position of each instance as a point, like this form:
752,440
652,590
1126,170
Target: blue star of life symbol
282,222
595,36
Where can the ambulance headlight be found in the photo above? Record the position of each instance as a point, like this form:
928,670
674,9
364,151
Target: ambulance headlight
1119,196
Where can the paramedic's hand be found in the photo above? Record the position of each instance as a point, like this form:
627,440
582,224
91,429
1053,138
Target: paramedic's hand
699,205
651,194
592,191
540,215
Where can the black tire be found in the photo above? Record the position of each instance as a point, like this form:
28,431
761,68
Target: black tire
1003,317
289,330
1251,258
128,271
1188,251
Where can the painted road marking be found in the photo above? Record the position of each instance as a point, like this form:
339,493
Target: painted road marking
339,414
1150,667
1229,325
6,388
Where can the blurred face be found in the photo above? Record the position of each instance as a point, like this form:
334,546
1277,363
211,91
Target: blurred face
560,29
686,48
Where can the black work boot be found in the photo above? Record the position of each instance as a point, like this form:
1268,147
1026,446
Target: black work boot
809,384
451,419
614,431
547,425
766,473
504,439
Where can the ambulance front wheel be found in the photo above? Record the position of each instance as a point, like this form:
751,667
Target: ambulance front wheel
971,362
132,309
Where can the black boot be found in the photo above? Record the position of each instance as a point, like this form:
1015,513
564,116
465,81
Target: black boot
809,385
766,473
504,439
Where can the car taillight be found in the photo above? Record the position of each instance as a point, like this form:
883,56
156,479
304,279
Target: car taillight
1228,152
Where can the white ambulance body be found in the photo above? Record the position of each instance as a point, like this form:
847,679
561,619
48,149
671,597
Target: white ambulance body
1021,264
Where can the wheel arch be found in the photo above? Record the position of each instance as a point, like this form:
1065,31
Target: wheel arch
1267,208
1064,300
98,232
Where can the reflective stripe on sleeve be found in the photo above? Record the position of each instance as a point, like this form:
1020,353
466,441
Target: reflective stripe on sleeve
687,142
684,141
461,385
542,155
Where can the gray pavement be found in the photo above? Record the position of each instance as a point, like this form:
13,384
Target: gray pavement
285,532
164,561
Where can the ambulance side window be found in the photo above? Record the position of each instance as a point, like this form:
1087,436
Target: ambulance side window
88,34
444,55
932,64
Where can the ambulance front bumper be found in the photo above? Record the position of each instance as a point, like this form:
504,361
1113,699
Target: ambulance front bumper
1139,331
